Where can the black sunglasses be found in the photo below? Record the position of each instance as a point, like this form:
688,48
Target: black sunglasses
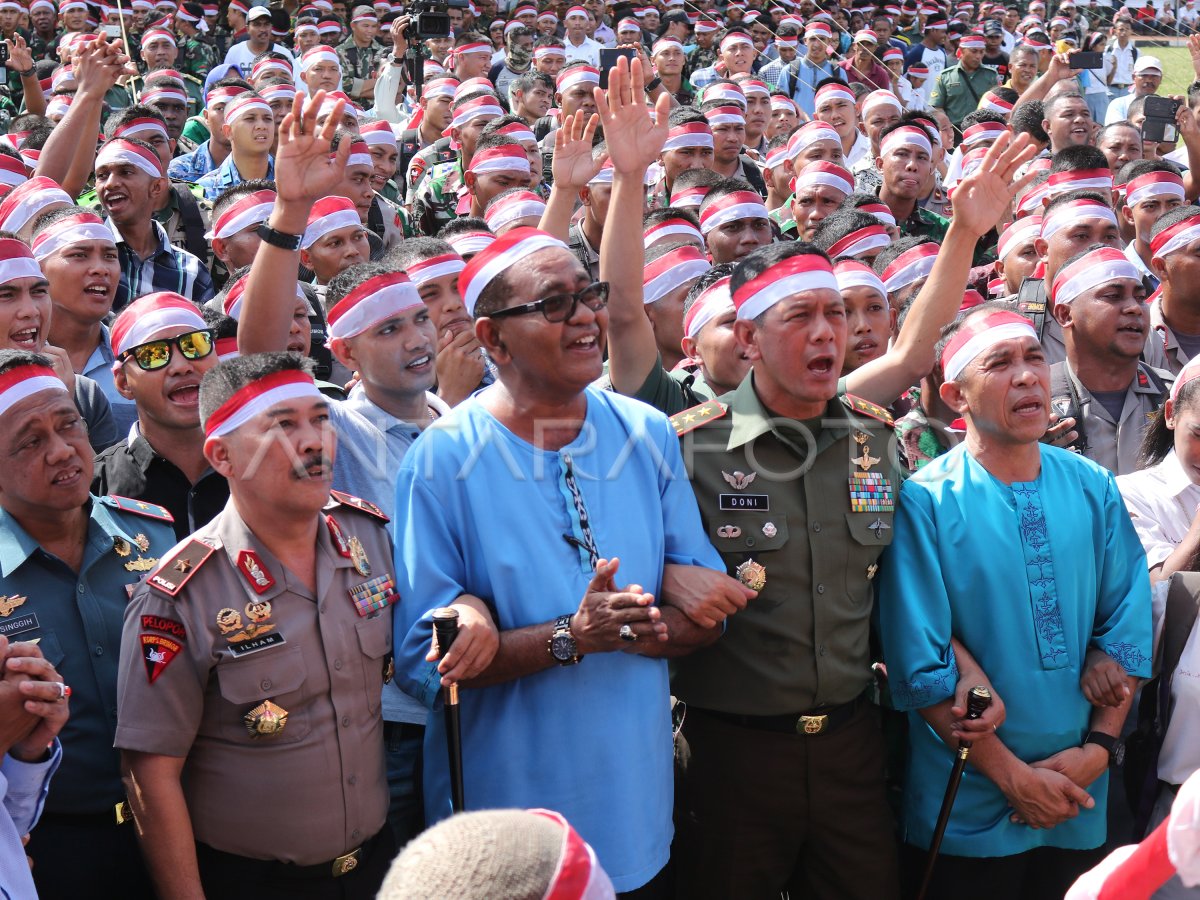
156,354
560,307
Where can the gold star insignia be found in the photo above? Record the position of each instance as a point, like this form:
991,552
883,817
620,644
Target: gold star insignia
706,411
690,417
183,565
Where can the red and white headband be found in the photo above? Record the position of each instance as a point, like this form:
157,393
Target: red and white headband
506,158
791,276
671,270
580,75
274,92
360,154
365,19
121,152
318,54
910,267
851,273
725,93
737,39
812,133
375,300
689,198
232,304
881,98
1067,214
1178,236
16,261
1017,234
378,134
906,136
158,34
549,53
12,170
514,206
665,43
498,257
251,209
469,243
754,87
1091,270
329,214
831,93
137,126
1187,374
219,96
1152,186
737,205
826,174
779,103
575,12
474,109
28,199
68,231
864,240
150,314
259,397
440,87
677,228
982,131
690,134
163,91
474,47
436,267
22,382
880,211
971,42
725,115
518,131
981,333
776,158
995,104
713,302
270,64
1079,180
244,105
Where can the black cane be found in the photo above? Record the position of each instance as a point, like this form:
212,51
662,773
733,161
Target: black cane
978,701
445,624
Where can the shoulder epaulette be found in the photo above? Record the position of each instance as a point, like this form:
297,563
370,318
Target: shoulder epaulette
691,419
867,408
360,504
180,565
139,507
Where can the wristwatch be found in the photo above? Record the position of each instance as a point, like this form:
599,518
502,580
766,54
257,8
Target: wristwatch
562,645
1114,746
279,238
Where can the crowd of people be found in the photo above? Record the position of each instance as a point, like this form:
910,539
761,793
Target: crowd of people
752,394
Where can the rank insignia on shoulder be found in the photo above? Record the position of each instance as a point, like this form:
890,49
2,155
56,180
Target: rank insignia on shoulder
252,569
867,408
180,565
358,503
691,419
140,508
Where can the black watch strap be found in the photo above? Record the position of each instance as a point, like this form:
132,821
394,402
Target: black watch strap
279,239
1116,750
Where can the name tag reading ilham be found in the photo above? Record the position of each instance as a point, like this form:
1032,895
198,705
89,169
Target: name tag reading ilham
753,502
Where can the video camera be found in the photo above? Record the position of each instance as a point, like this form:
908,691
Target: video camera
430,19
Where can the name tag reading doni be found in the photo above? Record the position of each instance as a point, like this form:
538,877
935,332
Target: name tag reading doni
754,502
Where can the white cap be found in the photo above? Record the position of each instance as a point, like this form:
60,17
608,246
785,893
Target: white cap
1147,64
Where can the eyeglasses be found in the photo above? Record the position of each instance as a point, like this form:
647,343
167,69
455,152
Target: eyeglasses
156,354
560,307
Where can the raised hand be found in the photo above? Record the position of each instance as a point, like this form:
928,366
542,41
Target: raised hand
572,164
304,170
984,197
19,57
633,138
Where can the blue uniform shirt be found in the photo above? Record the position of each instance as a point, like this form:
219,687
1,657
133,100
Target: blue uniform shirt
77,619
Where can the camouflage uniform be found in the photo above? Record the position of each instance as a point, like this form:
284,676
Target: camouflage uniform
41,48
197,56
358,65
172,217
389,222
193,87
422,165
436,201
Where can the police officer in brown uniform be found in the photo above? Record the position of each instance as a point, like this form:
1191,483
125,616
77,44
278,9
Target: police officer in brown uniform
252,661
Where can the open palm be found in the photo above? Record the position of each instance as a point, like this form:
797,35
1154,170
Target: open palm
572,165
304,169
634,139
983,198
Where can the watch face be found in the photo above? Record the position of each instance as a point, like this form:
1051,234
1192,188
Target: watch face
1118,754
562,647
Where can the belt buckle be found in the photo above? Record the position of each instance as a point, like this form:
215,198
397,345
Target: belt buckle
346,863
811,724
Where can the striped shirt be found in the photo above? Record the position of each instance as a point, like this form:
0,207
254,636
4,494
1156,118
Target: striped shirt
168,268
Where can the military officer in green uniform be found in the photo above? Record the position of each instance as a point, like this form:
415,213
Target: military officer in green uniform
68,561
437,199
360,55
197,52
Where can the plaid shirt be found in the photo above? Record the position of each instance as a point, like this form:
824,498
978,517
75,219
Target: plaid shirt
168,268
226,175
192,166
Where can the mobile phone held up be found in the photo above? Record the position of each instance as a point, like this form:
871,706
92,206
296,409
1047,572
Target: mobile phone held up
1159,126
1086,59
608,59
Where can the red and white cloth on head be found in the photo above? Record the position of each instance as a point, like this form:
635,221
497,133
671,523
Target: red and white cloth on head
910,266
1031,201
158,34
996,104
737,205
518,131
259,397
818,30
219,96
575,12
329,214
982,132
506,158
148,315
375,300
378,134
578,874
330,102
59,105
28,199
164,90
1018,234
689,198
121,152
1079,180
1177,237
724,115
752,87
665,43
360,154
690,134
780,103
1099,266
436,267
972,42
247,210
581,75
243,105
981,333
318,54
909,136
1074,211
672,228
725,94
270,64
542,53
880,211
71,230
511,207
498,257
487,106
672,270
22,382
863,240
736,39
469,243
714,301
12,171
811,133
854,274
824,174
881,100
16,261
832,93
788,277
1153,186
232,304
440,87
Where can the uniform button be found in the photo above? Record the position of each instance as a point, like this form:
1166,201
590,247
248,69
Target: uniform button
99,650
356,834
266,685
322,607
749,542
820,588
345,721
80,589
821,649
816,526
113,711
352,780
337,664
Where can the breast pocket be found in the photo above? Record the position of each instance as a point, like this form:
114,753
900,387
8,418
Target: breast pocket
375,641
276,675
749,533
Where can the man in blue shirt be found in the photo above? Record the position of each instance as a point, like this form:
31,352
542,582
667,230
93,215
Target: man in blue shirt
1026,554
249,126
801,78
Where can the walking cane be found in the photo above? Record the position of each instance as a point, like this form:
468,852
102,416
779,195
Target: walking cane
978,701
445,624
